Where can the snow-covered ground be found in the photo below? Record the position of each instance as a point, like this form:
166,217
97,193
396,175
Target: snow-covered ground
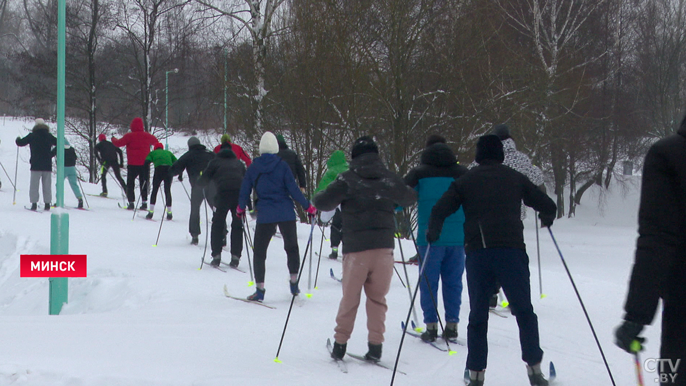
146,315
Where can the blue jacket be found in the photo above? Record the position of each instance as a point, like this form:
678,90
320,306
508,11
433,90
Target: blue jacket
275,188
431,179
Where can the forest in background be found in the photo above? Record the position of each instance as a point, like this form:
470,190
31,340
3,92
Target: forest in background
585,85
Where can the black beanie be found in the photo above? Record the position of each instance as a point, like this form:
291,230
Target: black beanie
363,145
434,138
502,131
489,147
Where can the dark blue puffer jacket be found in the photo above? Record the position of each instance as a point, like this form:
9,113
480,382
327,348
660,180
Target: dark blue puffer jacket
275,187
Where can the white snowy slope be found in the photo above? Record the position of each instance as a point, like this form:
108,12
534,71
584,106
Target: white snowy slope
146,315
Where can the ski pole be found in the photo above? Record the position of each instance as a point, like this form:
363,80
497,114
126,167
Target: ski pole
8,176
135,208
538,253
248,247
83,193
583,307
309,244
207,227
309,275
321,244
407,277
16,168
185,190
160,230
639,375
409,314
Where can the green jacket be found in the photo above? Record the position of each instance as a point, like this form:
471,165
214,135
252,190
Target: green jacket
334,166
160,157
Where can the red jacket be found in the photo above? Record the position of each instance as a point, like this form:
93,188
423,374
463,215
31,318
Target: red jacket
137,143
240,153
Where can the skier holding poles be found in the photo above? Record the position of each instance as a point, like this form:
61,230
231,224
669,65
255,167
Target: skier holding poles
491,195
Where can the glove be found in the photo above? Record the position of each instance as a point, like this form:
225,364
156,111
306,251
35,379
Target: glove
546,220
240,212
311,211
626,337
181,177
303,190
432,235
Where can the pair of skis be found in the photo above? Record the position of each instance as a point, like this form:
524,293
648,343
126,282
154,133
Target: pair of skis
552,374
343,366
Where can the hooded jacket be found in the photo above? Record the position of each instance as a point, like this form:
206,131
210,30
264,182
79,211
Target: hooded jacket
334,166
194,161
69,155
225,170
368,194
160,157
293,162
105,151
275,188
438,169
137,143
660,264
40,142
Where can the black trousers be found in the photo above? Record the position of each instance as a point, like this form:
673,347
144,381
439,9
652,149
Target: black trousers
143,174
264,234
336,228
198,194
161,175
117,174
673,334
226,201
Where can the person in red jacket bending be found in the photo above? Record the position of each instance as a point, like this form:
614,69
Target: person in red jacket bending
137,143
240,153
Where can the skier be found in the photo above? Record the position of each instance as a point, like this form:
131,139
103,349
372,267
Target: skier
138,143
162,159
109,156
660,263
334,166
275,190
438,169
227,172
237,150
70,170
40,142
194,161
293,161
368,194
491,195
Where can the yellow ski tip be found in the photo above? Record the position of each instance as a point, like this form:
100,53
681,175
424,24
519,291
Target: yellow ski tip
451,352
251,283
419,329
308,295
505,304
543,296
154,245
277,360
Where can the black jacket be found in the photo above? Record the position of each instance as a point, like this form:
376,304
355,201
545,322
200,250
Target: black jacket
69,156
368,194
491,195
41,142
194,161
660,267
105,151
225,170
294,163
437,160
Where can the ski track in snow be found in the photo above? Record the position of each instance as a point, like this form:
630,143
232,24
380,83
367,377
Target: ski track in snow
147,316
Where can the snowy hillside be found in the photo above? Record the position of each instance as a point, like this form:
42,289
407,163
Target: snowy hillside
146,315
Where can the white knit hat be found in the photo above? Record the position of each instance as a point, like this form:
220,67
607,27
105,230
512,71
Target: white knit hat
40,121
268,143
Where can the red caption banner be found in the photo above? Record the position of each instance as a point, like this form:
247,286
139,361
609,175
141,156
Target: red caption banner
53,266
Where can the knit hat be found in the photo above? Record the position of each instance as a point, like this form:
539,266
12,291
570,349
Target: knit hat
40,121
137,124
158,146
268,143
435,138
502,131
363,145
280,139
67,145
192,141
225,138
489,147
102,137
40,124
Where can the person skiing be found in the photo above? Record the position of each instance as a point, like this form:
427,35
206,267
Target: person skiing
138,143
437,170
40,141
368,194
275,190
334,166
70,170
109,156
194,161
660,259
237,150
162,159
491,196
293,161
227,172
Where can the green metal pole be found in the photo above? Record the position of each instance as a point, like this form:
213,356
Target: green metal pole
166,110
59,222
226,66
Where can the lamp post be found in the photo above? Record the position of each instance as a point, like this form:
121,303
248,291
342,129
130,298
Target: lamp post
166,107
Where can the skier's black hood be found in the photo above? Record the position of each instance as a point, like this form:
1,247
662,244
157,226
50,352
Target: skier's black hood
368,165
438,154
226,152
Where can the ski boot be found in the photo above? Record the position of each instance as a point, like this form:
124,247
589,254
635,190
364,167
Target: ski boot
169,215
536,377
194,240
258,296
34,206
80,206
130,206
149,215
374,353
430,334
334,253
450,332
294,288
216,260
414,260
47,206
476,378
234,261
144,206
338,351
103,194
